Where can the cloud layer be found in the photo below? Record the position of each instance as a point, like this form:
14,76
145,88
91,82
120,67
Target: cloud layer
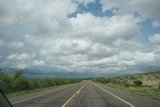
45,33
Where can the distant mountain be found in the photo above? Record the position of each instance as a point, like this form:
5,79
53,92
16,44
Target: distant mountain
54,72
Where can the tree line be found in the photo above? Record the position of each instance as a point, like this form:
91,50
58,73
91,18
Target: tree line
19,82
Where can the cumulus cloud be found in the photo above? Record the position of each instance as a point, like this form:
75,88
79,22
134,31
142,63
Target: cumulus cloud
38,63
49,16
111,4
133,6
65,47
23,60
156,24
17,61
152,8
155,39
21,57
104,29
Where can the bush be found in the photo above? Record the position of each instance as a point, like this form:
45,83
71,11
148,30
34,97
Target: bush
126,84
5,82
137,82
20,82
102,80
132,77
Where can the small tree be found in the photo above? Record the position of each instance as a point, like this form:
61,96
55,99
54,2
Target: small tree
19,81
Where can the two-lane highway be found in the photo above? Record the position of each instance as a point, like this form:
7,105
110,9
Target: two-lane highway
88,94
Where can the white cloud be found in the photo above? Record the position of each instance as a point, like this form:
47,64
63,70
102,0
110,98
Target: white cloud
20,66
48,16
33,40
111,4
155,39
85,2
156,24
132,6
104,29
21,57
65,47
12,57
152,8
23,60
130,45
142,57
101,51
38,63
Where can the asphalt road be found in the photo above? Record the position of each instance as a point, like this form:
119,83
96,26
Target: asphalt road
87,94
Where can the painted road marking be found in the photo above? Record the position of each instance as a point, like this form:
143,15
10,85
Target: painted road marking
76,93
40,95
115,96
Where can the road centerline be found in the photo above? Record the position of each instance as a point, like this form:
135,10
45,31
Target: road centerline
115,96
76,93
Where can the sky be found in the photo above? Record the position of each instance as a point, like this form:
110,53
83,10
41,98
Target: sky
81,36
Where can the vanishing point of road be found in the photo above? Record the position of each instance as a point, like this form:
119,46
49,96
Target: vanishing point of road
85,94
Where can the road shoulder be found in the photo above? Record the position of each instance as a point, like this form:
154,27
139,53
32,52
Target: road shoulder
137,100
40,92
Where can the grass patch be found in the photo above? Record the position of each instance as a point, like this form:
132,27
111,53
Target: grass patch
15,94
144,84
148,92
20,93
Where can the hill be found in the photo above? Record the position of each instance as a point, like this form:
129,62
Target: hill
145,84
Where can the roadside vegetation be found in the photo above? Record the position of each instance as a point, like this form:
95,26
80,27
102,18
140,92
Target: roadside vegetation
144,84
20,83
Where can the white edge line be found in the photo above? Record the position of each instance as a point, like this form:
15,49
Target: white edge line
39,95
115,96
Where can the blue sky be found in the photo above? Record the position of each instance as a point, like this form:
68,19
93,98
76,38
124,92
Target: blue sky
147,31
95,8
80,36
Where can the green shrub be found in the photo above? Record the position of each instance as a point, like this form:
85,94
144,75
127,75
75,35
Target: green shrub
126,84
5,84
20,84
132,77
137,82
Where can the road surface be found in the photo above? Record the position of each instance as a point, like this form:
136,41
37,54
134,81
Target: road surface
86,94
